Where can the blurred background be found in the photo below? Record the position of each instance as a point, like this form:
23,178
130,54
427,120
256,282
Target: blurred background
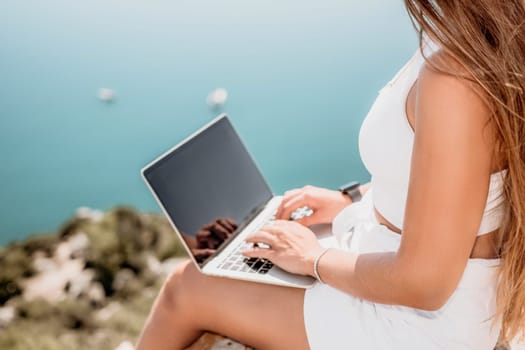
300,78
91,91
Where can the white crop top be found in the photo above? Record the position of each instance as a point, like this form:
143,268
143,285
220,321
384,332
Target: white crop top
385,146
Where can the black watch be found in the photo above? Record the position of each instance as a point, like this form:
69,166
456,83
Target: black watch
351,189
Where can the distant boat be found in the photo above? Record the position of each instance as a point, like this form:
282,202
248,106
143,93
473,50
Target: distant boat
217,98
106,94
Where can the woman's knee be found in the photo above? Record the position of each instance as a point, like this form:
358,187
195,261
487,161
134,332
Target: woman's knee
177,290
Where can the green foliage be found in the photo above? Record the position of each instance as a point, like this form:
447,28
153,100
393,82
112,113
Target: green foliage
119,247
68,314
39,310
44,242
15,263
164,242
8,290
48,327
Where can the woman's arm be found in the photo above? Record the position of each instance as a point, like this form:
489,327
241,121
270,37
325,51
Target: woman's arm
449,180
448,187
325,203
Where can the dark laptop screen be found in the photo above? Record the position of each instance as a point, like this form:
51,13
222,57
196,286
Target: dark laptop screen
209,186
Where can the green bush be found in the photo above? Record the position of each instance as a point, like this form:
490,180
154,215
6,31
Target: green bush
118,250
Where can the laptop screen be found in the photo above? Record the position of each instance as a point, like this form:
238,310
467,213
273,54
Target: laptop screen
209,186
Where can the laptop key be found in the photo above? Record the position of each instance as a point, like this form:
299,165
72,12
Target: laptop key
257,265
235,261
268,265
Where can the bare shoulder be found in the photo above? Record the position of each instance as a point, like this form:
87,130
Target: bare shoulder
448,98
445,77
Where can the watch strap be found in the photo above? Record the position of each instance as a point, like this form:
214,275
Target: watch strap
352,190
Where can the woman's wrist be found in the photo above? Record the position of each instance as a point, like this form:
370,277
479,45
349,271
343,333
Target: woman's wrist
346,200
351,190
309,260
317,259
339,202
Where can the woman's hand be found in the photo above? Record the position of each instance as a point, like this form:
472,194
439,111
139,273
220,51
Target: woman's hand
292,246
324,203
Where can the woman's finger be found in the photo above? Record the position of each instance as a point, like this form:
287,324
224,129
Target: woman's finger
275,227
292,193
292,205
261,236
306,220
288,195
257,252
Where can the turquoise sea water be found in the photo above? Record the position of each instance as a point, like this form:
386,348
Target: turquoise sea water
300,76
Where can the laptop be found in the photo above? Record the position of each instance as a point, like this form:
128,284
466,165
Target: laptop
215,196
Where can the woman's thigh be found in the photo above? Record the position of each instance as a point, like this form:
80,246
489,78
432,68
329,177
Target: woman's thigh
256,314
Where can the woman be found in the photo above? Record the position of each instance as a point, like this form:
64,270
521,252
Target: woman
444,145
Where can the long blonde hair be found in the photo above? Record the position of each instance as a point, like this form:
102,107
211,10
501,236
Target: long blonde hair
488,38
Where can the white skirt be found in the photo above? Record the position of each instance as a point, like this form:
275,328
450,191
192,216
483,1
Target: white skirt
336,320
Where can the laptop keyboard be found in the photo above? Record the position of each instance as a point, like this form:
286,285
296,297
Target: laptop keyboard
235,261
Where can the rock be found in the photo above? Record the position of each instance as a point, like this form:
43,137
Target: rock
7,314
95,294
125,345
81,283
50,284
123,279
84,213
169,265
154,264
227,344
74,247
210,341
107,312
43,264
78,242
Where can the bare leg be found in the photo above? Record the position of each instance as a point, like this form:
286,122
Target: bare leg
260,315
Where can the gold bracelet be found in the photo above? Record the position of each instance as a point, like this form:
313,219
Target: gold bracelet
316,265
